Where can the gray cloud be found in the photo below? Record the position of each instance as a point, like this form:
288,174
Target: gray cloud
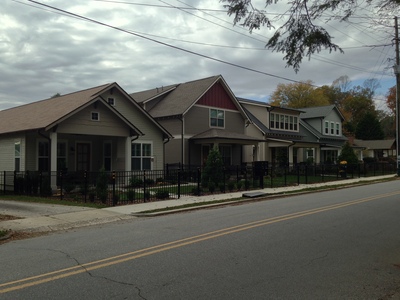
44,53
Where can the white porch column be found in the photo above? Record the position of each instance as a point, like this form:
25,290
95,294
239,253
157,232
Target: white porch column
290,154
53,160
128,154
317,155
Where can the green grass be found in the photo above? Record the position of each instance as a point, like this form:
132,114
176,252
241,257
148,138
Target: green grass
3,233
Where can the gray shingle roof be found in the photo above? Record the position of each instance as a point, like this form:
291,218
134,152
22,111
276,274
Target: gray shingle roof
376,144
42,114
214,133
179,98
318,112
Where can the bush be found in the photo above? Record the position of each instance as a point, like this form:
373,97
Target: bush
239,185
102,186
130,195
222,188
211,187
162,194
135,182
231,186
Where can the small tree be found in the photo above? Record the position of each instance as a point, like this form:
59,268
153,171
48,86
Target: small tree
214,169
347,154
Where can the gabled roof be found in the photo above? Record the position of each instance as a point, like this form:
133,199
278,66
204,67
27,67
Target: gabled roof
47,113
179,98
375,144
319,112
41,114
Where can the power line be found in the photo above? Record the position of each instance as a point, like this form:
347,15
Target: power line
165,44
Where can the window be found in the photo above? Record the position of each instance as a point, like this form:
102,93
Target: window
217,118
337,129
43,156
107,156
141,156
111,101
95,116
61,156
326,127
332,128
284,122
17,156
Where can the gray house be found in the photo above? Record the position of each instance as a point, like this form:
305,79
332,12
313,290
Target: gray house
82,131
200,115
294,135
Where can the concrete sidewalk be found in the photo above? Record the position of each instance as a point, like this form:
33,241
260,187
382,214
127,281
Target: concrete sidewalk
43,218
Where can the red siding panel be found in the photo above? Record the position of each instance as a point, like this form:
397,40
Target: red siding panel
216,96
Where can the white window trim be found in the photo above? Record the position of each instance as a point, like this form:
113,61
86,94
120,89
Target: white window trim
277,117
94,113
141,157
217,109
338,129
111,99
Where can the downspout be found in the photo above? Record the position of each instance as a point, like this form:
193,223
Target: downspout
165,142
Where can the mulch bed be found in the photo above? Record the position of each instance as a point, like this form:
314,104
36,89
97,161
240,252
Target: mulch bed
16,235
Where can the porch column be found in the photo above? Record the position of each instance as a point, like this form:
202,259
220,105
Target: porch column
53,160
128,154
317,155
290,154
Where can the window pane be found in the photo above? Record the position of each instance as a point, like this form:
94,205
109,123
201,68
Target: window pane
136,164
43,149
146,149
136,150
107,149
146,163
220,123
17,149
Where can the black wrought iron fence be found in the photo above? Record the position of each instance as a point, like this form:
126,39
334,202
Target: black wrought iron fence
116,188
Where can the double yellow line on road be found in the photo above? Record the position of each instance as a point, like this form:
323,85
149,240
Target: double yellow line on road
87,267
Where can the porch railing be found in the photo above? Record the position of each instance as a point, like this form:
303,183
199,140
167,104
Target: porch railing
175,181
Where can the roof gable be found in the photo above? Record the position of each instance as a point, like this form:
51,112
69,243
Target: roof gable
42,114
319,112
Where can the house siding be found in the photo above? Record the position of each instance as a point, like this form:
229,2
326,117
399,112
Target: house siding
109,123
138,118
198,120
7,152
217,96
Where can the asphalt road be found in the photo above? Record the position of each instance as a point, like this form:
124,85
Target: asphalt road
341,244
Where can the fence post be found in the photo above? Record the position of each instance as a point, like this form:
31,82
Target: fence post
298,174
114,198
144,186
4,182
85,185
179,184
198,181
61,185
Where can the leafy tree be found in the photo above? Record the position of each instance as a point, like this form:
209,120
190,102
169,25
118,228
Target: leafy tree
347,154
369,128
300,36
214,170
298,95
388,124
391,100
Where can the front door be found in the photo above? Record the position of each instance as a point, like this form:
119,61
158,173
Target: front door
83,157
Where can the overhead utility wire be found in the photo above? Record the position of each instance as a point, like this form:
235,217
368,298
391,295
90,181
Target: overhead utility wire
165,44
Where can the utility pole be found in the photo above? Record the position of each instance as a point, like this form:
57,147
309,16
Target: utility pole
397,73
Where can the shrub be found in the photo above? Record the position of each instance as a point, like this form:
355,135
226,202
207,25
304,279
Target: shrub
222,188
239,185
162,194
135,181
246,184
211,187
130,195
231,186
102,186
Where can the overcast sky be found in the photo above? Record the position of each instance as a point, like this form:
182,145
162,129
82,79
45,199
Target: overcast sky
44,51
